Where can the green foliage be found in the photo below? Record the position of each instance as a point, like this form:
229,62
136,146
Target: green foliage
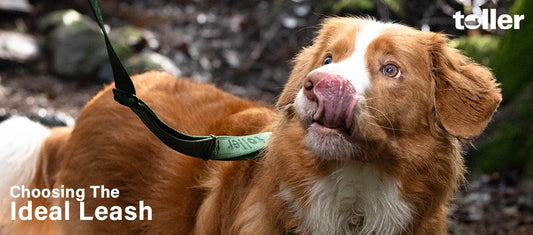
344,6
513,62
396,6
503,151
479,48
509,146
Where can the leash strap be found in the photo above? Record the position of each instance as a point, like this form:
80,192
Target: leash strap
225,148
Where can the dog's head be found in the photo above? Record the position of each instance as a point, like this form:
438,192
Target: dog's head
364,83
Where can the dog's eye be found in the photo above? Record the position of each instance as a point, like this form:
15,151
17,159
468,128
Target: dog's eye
327,60
391,70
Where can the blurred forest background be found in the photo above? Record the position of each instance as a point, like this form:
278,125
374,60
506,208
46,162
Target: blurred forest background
53,60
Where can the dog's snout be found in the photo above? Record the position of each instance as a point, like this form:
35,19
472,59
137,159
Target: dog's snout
309,84
336,98
326,84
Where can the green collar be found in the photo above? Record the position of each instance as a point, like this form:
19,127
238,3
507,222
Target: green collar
226,148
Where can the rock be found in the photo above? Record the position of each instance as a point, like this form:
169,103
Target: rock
134,37
18,47
147,61
302,10
232,58
290,22
19,6
150,40
53,120
510,210
127,35
77,48
58,18
76,43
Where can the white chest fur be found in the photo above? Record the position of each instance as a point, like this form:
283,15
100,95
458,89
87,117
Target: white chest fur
355,199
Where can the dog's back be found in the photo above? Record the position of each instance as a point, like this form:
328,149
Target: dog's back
110,146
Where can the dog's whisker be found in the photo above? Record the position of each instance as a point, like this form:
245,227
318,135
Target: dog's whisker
383,114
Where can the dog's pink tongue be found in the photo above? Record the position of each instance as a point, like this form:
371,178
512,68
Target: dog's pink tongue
336,101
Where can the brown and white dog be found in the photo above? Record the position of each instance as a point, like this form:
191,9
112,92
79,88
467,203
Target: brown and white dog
366,139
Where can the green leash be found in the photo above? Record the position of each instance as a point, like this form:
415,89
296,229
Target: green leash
225,148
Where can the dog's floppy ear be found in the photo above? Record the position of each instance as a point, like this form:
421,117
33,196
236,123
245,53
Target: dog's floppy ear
466,94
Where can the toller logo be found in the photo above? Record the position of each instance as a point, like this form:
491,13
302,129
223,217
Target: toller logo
487,20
